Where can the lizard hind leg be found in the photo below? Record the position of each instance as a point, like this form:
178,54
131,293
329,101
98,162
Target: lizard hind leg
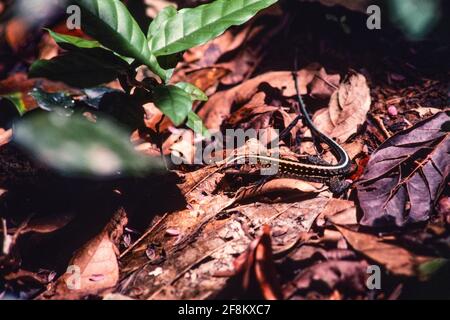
338,185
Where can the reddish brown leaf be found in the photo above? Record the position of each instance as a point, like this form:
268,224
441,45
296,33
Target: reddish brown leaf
403,177
395,259
257,269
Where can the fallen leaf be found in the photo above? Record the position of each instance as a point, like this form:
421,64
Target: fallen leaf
342,212
281,186
256,269
347,110
5,136
94,266
219,105
403,177
395,259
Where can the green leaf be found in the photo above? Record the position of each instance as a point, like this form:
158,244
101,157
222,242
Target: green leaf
173,102
70,43
62,39
53,101
430,268
162,17
81,68
76,146
193,91
17,101
193,120
417,18
109,22
192,27
196,124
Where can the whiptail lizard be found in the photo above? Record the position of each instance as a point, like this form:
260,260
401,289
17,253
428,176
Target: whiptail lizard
300,169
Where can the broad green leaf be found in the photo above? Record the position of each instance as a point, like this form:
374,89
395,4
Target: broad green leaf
162,17
193,91
58,101
16,99
192,27
70,42
81,68
196,124
62,39
173,102
110,23
76,146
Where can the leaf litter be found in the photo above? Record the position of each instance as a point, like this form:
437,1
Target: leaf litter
223,233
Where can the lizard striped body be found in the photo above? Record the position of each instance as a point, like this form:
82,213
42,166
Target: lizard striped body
305,170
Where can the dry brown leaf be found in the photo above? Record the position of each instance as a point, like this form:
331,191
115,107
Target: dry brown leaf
219,105
257,269
342,212
347,110
5,136
395,259
17,33
280,186
96,262
324,85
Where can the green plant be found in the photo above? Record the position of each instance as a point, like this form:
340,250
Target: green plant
64,139
120,46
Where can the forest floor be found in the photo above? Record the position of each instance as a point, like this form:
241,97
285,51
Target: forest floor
205,232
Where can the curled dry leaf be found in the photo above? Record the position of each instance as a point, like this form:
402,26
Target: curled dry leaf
347,109
395,259
404,175
94,266
257,270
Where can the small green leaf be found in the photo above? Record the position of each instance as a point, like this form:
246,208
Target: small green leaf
196,124
193,120
192,27
193,91
53,101
110,23
62,39
76,146
16,99
81,68
162,17
173,102
430,268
